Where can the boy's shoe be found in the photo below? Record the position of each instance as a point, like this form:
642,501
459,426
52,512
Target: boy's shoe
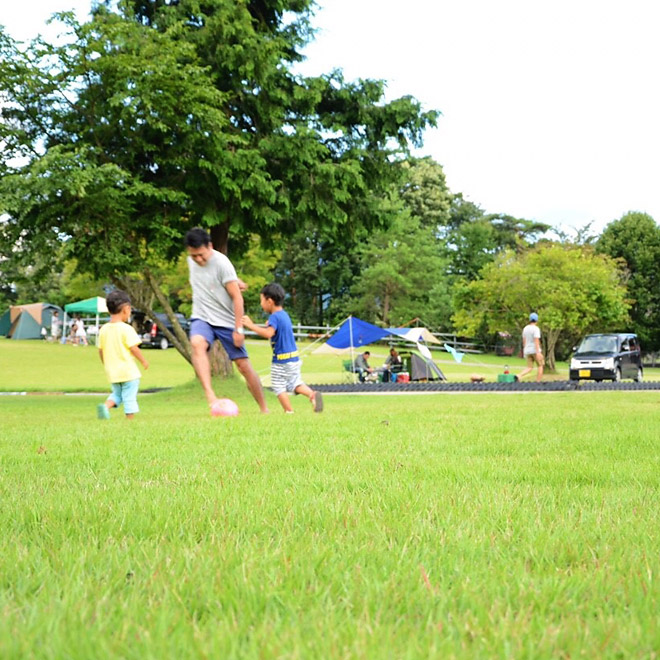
102,411
318,402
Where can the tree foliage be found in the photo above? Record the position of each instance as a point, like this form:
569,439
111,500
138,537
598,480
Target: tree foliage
161,115
573,289
474,238
402,277
635,238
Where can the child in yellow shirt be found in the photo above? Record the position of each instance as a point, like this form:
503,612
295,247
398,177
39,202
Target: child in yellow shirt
118,346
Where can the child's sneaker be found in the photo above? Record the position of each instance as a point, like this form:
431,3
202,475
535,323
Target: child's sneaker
318,402
102,411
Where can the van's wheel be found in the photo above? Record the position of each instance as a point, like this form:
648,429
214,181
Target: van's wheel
617,375
640,375
164,344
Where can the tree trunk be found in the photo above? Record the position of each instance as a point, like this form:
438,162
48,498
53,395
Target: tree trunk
179,339
136,292
551,337
386,307
221,365
220,237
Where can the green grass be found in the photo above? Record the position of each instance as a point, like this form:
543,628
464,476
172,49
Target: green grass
41,366
428,526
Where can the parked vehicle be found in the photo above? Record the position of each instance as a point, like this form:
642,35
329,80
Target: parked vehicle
610,356
150,330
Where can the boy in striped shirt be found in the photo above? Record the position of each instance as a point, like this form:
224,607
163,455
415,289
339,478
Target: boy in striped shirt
285,367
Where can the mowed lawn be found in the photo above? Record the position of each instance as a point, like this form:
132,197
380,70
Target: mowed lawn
425,526
42,366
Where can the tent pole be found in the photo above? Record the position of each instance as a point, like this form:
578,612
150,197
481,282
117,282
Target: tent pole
350,334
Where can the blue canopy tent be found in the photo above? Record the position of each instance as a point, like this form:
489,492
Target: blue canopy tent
354,333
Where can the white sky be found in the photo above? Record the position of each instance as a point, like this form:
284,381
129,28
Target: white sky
550,110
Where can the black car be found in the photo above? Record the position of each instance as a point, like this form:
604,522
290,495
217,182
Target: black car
150,330
610,356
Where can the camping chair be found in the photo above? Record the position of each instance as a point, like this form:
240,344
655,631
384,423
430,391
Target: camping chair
348,371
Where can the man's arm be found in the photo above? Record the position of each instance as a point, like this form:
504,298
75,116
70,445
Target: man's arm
101,355
234,291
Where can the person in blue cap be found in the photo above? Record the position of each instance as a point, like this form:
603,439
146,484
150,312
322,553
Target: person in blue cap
531,340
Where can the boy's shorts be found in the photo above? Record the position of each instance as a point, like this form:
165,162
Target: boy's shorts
126,393
224,335
285,376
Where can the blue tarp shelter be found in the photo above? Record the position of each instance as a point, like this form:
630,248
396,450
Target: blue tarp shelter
354,333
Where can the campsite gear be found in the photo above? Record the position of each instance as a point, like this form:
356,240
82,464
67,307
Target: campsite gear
506,377
27,321
420,368
403,377
354,333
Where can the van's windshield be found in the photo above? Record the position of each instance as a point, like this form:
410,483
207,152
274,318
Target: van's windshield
598,344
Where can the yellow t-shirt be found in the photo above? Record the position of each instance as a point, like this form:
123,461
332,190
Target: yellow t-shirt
116,341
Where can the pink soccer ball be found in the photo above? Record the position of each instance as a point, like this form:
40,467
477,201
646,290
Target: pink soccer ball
224,408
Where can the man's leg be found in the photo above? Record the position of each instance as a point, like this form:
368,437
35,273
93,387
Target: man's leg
524,372
202,365
254,384
539,373
528,368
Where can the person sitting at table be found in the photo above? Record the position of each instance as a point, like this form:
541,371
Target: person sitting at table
361,366
393,364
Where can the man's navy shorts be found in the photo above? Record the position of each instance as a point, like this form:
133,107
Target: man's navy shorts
224,335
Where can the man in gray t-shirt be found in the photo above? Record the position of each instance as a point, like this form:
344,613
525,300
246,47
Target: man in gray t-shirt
531,339
216,314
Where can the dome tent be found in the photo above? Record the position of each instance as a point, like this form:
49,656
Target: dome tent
26,321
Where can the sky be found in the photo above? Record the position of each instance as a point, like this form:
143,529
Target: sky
550,109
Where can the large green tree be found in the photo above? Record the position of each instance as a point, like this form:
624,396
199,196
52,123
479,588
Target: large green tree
474,238
425,194
402,277
317,272
573,289
635,238
161,115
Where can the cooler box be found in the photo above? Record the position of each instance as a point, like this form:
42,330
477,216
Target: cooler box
403,377
506,378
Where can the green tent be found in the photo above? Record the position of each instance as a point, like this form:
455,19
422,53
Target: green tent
27,321
89,307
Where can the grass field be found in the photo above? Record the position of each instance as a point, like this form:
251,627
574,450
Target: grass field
41,366
428,526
